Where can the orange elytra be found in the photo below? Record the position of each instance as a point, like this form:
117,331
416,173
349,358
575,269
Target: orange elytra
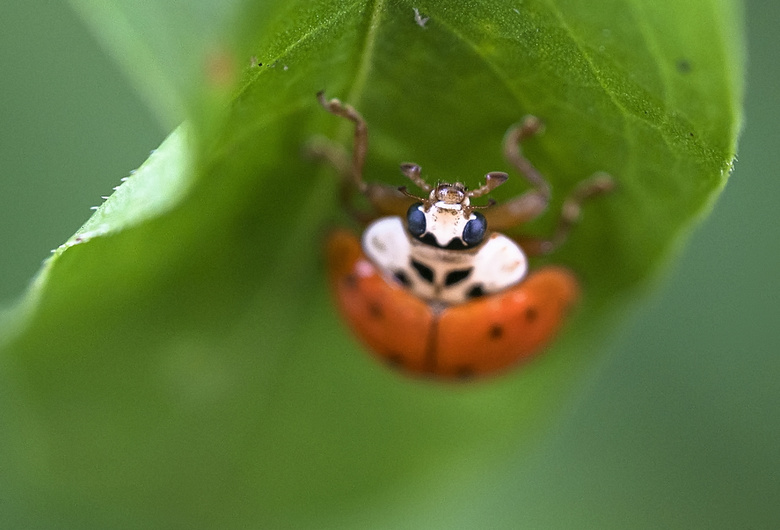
482,336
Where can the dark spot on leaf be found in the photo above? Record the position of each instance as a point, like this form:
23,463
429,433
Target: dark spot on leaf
683,66
425,272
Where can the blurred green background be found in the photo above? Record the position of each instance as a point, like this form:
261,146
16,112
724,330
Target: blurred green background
678,427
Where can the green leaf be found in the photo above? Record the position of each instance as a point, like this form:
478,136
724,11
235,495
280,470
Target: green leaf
178,362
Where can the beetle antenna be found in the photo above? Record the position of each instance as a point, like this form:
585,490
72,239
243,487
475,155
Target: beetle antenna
403,190
413,172
491,202
492,180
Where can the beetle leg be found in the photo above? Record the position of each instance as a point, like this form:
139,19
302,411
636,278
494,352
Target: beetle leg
322,149
385,199
532,203
360,140
571,211
516,134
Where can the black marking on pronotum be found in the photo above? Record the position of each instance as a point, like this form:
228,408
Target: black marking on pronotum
457,276
476,292
425,272
454,244
402,278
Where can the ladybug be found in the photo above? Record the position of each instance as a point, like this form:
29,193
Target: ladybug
429,288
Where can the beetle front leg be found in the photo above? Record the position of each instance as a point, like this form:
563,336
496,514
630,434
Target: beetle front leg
360,140
533,203
571,211
385,199
320,148
513,138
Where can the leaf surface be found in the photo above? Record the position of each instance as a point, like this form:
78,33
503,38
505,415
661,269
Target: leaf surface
178,361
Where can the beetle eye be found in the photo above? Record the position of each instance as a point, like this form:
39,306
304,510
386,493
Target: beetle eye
474,231
415,220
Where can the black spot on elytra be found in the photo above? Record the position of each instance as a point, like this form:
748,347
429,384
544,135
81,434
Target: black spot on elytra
426,273
476,292
496,332
402,278
456,276
395,359
375,311
465,372
350,281
531,314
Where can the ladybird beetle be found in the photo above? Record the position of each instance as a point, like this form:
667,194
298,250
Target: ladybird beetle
429,288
